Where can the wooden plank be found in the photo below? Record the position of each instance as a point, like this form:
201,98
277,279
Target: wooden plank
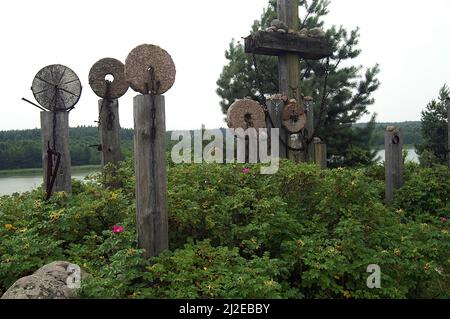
63,179
275,43
448,131
110,131
393,144
151,174
274,108
320,153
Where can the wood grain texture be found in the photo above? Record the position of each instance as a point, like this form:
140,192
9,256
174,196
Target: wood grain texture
393,144
63,180
275,43
110,137
448,131
151,174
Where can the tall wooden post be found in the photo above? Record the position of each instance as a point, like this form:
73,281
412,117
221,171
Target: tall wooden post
63,179
448,131
393,144
110,131
151,175
289,70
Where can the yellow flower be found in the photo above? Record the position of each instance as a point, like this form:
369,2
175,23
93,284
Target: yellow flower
269,283
10,227
37,204
300,243
130,252
55,216
346,294
114,196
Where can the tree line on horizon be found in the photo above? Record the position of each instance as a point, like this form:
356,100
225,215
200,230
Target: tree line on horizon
22,148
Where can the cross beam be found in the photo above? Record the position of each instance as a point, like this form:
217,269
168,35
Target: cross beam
289,47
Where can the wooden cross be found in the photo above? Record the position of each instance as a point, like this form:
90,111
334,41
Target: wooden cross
289,47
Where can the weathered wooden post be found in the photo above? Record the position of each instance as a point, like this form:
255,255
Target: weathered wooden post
55,151
283,39
57,89
150,71
393,162
107,80
448,130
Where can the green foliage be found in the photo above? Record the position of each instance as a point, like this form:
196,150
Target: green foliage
434,149
301,233
348,88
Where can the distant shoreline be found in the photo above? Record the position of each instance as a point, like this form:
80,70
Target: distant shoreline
34,171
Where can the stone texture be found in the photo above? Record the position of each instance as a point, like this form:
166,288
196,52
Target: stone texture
293,117
100,69
56,87
48,282
316,33
138,63
246,113
279,24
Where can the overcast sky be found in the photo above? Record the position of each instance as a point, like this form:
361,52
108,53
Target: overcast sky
408,38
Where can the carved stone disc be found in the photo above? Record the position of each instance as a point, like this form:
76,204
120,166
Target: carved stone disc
246,113
293,117
100,70
143,58
56,87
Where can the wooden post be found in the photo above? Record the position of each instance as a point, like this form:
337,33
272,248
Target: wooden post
63,179
320,153
110,131
448,131
393,144
289,69
151,175
309,108
274,107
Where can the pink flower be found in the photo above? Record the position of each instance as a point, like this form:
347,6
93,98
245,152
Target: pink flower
444,219
118,229
246,170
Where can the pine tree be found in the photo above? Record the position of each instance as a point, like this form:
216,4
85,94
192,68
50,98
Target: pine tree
340,91
434,128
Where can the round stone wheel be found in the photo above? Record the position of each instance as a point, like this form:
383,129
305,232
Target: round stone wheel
147,59
245,114
98,82
56,87
293,117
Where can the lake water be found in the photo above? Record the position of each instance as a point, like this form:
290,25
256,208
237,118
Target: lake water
21,183
12,183
412,155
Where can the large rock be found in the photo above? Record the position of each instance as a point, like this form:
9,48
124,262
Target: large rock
49,282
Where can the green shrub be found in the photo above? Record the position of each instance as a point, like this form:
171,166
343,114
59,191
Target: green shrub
301,233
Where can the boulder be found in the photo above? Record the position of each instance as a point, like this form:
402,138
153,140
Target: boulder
48,282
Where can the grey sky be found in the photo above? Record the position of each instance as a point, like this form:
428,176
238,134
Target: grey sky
408,38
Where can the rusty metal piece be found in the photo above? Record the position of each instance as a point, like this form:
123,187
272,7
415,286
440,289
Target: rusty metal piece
147,61
245,114
108,66
293,117
56,88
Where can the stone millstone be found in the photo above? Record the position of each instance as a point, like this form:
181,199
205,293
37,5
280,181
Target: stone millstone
245,114
56,87
293,117
145,57
100,69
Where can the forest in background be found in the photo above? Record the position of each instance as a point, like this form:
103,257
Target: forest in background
22,148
